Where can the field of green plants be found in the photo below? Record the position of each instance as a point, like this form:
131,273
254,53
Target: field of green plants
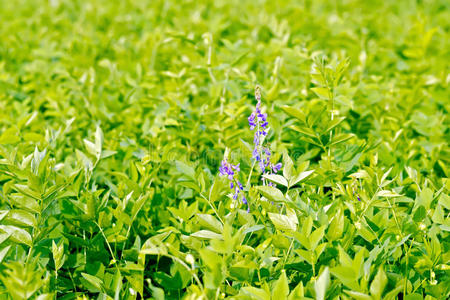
228,149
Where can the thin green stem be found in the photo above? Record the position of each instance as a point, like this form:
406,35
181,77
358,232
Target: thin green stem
107,243
288,252
370,202
213,207
406,267
332,117
314,269
250,174
395,217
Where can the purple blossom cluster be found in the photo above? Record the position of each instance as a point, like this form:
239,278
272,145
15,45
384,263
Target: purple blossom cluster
231,171
261,153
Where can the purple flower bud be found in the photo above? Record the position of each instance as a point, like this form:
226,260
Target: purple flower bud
256,139
251,121
258,93
254,152
277,167
261,165
240,185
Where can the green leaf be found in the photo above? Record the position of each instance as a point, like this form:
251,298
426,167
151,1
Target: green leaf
85,161
90,147
117,285
107,153
271,193
58,254
316,236
281,287
386,193
336,228
358,295
17,234
288,167
385,175
206,234
216,189
321,284
420,214
323,93
306,255
298,292
157,293
294,112
378,284
255,293
340,138
20,218
46,296
98,141
185,169
210,222
153,246
360,175
333,124
302,239
300,177
414,296
305,130
253,228
4,252
276,179
3,214
282,222
95,281
346,275
307,226
425,198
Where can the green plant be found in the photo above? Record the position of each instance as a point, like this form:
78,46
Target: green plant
115,117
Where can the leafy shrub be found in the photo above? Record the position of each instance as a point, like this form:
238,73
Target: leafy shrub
115,117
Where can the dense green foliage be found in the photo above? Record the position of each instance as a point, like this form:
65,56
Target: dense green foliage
115,115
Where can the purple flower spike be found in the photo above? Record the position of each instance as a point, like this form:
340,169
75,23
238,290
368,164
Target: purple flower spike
231,172
258,120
